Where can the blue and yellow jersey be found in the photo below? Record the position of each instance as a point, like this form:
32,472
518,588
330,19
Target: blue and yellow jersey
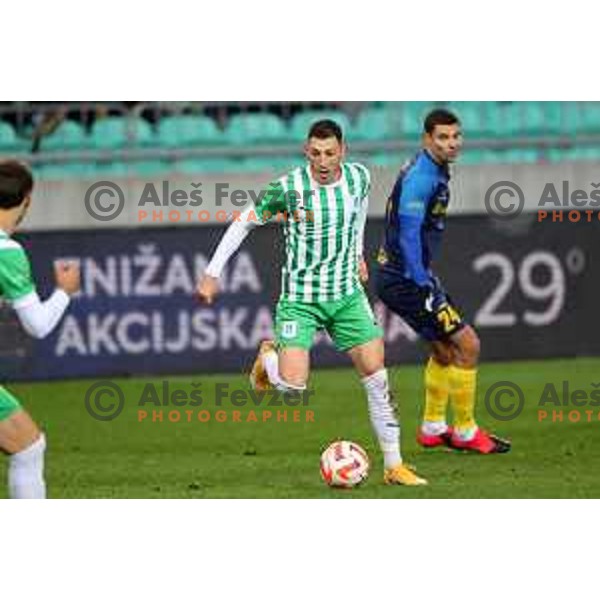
416,218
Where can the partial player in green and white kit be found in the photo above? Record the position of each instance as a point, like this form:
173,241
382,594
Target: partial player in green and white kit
323,208
20,437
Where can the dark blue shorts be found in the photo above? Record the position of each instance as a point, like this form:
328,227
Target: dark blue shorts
435,321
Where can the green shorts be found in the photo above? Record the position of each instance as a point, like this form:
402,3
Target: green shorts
8,404
350,322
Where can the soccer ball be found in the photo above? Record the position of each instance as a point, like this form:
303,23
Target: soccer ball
344,465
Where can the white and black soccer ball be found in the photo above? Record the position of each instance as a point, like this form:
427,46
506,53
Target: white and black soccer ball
344,465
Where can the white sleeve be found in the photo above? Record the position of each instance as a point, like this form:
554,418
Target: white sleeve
40,318
360,231
362,218
232,239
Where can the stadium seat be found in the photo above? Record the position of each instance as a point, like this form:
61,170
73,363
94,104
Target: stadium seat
377,124
278,165
150,168
582,117
188,130
520,156
471,116
207,165
112,169
477,156
412,115
9,142
117,132
256,129
7,135
69,135
61,172
500,119
582,153
540,118
302,122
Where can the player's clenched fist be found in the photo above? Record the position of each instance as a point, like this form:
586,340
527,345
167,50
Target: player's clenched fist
207,289
363,271
67,276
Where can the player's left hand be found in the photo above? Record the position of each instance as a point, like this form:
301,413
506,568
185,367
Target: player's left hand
207,289
363,270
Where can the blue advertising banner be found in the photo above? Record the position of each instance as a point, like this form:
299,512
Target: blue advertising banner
529,289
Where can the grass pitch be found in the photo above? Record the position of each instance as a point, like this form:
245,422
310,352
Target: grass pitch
244,457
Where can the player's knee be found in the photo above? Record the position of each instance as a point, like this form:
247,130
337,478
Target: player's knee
292,378
468,349
31,453
443,355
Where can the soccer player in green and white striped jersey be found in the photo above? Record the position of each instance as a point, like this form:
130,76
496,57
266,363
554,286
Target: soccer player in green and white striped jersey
323,208
20,437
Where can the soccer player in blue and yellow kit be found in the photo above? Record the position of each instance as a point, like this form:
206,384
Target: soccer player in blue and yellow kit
415,223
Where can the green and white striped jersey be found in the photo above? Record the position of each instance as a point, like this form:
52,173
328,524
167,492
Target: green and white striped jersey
16,282
323,227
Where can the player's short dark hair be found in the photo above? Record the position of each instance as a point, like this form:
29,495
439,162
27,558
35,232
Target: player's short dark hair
439,116
325,129
16,183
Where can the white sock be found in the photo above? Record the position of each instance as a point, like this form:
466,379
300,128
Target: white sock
383,419
26,472
270,361
466,435
434,427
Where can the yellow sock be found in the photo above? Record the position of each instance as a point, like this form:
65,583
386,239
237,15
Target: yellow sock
437,390
463,383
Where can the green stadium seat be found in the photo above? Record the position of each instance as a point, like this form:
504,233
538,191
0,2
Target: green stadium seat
69,135
207,165
412,115
471,116
9,142
581,153
378,124
540,118
278,165
500,119
256,129
117,132
8,137
302,122
520,156
112,169
477,156
151,168
585,117
61,172
188,130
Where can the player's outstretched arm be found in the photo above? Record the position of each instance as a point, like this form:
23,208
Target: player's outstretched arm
40,318
208,286
272,202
